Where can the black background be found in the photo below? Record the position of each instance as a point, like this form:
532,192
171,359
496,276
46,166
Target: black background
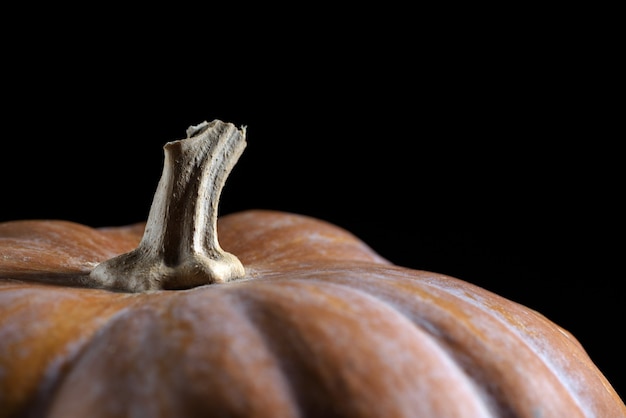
475,149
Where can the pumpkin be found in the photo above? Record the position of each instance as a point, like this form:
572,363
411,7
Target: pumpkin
284,316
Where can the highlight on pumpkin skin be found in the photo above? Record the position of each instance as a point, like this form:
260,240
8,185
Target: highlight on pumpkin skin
180,248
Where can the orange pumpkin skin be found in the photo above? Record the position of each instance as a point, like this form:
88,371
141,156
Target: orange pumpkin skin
321,326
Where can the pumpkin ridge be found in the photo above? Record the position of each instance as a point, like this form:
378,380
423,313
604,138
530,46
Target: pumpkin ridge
479,370
459,349
275,236
304,368
292,385
185,385
529,335
55,374
281,387
484,302
531,329
58,362
498,407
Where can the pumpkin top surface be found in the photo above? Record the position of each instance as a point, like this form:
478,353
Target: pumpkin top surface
317,315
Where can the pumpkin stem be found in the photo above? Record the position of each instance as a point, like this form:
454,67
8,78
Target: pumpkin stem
179,248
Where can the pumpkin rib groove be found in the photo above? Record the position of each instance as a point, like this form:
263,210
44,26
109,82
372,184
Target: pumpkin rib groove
291,318
56,375
66,338
253,312
55,401
278,384
256,377
533,333
373,289
457,352
48,400
461,349
190,358
528,328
